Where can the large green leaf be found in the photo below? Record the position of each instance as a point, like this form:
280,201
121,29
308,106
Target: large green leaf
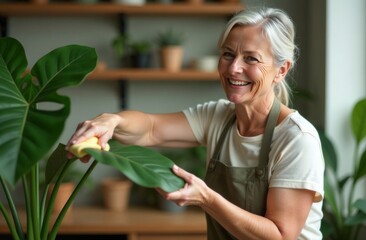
359,120
55,162
329,153
28,128
143,166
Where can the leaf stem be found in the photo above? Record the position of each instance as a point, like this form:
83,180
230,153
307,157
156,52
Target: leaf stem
10,224
27,200
34,194
62,214
48,213
13,210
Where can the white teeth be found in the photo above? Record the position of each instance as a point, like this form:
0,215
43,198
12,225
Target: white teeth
238,83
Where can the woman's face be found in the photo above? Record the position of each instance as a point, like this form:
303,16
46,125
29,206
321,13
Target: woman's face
246,67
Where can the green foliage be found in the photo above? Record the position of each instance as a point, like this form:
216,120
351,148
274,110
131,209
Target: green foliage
192,159
33,116
29,130
170,38
143,166
343,214
123,45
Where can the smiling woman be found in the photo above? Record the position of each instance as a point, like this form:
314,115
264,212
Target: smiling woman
259,151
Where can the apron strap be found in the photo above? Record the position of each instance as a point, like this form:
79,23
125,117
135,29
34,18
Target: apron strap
266,141
268,133
228,125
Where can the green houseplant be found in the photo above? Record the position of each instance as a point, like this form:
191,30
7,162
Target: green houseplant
33,116
138,51
171,50
343,214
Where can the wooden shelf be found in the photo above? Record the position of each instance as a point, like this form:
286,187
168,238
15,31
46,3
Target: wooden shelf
135,223
153,75
62,9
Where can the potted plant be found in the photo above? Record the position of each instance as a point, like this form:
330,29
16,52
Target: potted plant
67,186
343,214
30,130
171,50
116,193
139,52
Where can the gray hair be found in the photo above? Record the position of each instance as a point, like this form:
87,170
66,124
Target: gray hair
279,29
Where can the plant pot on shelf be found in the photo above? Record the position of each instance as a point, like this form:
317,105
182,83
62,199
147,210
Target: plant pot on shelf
171,50
171,58
141,60
132,52
116,193
63,194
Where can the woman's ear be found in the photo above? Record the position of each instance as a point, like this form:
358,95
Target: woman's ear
282,71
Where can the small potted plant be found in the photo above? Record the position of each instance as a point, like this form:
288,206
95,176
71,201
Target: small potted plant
116,193
171,50
138,52
71,178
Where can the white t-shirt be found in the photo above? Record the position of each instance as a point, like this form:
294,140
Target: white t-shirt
295,159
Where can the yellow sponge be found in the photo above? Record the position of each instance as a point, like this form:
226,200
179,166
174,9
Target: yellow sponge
78,149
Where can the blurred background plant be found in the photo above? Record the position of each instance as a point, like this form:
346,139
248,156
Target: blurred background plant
344,214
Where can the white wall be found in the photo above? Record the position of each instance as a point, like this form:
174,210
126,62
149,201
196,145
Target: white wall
345,72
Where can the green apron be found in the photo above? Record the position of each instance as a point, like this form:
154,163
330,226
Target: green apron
245,187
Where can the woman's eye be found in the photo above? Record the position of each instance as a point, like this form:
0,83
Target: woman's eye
250,60
228,55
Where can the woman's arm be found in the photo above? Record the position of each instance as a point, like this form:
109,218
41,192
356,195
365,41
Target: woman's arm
287,210
137,128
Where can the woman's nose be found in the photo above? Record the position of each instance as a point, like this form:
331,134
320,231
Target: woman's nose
236,66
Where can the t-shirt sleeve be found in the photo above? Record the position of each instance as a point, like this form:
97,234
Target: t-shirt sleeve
300,165
206,120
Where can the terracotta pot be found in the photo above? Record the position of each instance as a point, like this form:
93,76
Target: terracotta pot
171,58
116,194
63,194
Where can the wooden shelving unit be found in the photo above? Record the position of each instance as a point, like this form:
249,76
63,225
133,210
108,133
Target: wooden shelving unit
64,9
153,74
155,9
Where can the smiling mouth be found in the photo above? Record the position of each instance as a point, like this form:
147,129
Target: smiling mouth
238,83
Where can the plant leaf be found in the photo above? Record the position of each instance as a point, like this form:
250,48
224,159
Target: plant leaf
329,153
361,171
330,196
143,166
29,129
356,219
360,204
359,120
343,181
55,162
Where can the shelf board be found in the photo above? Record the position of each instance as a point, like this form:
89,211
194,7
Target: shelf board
77,9
152,75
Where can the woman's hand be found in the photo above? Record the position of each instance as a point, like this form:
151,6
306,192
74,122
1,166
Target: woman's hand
195,191
101,127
